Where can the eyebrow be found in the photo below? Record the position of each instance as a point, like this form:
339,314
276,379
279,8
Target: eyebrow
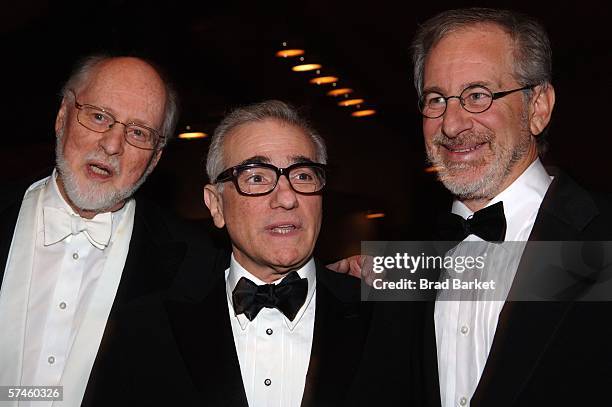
463,86
113,113
301,159
258,159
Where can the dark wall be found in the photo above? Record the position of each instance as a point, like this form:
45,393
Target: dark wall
222,55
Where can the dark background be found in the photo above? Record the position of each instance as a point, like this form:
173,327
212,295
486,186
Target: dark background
221,54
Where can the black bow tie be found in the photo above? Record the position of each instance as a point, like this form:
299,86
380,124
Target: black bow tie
488,223
287,296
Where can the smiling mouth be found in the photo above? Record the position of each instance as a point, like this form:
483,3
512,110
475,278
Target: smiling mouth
463,149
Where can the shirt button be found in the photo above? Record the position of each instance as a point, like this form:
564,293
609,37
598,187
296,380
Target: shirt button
62,305
51,360
267,382
463,401
75,256
465,329
269,331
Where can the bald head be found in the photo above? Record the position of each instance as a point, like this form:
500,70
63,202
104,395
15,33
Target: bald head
136,74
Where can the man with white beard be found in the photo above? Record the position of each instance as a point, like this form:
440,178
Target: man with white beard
76,246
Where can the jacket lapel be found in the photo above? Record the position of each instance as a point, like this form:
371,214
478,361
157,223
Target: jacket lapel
153,258
8,219
151,263
340,329
204,337
525,328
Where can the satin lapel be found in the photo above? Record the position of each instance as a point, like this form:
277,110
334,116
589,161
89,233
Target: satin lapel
525,328
340,329
16,287
150,265
8,219
523,332
205,340
153,258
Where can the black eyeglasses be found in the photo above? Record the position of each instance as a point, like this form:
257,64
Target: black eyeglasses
474,99
261,178
99,120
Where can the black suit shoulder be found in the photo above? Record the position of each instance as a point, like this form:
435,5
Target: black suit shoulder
346,288
570,212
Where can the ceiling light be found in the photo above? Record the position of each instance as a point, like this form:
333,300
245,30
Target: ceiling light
321,80
350,102
305,67
375,215
192,135
339,92
287,53
363,113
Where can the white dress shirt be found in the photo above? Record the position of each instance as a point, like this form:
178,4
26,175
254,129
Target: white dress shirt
61,295
465,329
63,278
273,352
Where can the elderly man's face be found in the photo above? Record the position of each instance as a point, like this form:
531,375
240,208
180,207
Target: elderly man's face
477,155
276,232
99,171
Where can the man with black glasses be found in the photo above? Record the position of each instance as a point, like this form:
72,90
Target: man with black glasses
273,328
77,246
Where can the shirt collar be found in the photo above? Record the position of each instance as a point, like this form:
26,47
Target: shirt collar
236,271
52,197
522,198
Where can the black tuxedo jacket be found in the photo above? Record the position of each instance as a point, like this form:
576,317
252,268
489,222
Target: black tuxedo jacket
159,246
177,348
545,353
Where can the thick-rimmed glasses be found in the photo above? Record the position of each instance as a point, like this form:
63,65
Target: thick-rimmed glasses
261,178
474,99
96,119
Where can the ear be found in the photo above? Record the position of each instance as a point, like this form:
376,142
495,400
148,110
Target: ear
60,119
214,202
157,156
540,108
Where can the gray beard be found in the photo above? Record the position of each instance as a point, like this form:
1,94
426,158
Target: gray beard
90,197
488,185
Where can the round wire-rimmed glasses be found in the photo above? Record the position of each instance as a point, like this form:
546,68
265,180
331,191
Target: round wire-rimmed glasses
474,99
258,179
98,120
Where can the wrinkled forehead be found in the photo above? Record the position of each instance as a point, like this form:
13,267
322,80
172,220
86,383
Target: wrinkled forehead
482,53
270,140
126,85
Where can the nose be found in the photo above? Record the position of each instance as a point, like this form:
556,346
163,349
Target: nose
455,119
283,195
112,141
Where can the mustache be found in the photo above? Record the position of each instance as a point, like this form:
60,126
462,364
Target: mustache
99,156
110,161
462,139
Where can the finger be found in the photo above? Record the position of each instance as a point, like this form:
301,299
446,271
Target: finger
341,266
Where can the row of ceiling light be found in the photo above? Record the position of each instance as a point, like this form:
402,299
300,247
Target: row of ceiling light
344,94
